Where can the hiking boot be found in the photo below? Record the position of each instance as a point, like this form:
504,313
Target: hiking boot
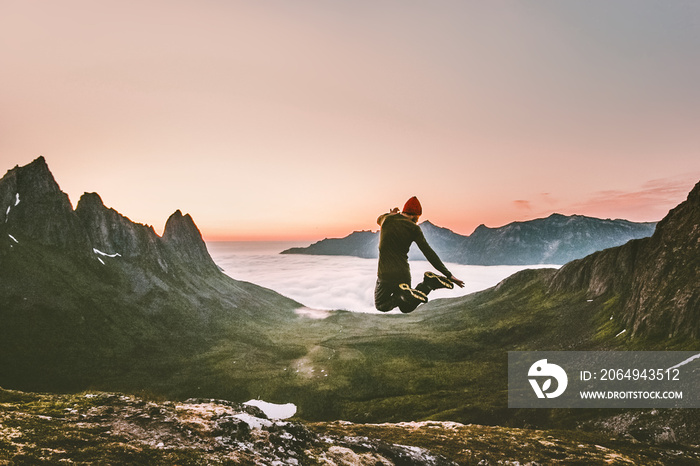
411,295
435,281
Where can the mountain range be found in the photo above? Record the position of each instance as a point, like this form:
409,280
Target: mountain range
556,239
87,295
91,300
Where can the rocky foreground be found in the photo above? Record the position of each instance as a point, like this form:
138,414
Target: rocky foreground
107,428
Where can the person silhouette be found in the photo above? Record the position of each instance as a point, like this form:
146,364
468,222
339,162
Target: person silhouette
393,289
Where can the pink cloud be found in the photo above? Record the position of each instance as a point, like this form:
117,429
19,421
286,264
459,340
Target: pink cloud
651,202
522,204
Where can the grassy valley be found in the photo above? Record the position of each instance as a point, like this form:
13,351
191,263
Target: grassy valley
447,360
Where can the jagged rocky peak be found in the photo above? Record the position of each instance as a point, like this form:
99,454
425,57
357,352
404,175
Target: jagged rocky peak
34,180
33,205
90,201
665,297
654,279
180,227
480,230
113,233
183,238
30,183
428,226
685,216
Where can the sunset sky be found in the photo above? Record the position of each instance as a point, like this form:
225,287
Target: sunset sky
296,119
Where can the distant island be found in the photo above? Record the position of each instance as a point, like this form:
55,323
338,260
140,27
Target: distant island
557,239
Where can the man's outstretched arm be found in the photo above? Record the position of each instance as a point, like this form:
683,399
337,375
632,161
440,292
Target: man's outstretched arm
435,261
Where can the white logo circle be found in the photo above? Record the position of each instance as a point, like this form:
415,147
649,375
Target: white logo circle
542,369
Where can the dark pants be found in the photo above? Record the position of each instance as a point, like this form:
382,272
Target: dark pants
387,296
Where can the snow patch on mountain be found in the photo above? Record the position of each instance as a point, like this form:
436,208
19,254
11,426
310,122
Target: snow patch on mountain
97,251
273,410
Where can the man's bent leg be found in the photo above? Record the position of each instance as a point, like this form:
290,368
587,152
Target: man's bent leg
386,296
411,298
433,281
406,307
390,295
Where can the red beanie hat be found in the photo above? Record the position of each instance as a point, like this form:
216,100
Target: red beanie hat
413,207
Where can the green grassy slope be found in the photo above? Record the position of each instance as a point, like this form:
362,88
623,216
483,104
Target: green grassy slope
70,322
77,324
447,360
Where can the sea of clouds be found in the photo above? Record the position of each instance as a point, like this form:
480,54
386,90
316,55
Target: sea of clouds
335,282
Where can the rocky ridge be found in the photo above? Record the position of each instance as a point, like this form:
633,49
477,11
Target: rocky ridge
556,239
653,281
87,295
34,207
111,428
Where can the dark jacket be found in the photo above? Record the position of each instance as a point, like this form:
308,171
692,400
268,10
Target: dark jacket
397,234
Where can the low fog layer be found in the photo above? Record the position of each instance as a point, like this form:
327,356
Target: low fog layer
336,282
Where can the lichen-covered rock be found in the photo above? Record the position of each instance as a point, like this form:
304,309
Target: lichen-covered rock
125,429
108,428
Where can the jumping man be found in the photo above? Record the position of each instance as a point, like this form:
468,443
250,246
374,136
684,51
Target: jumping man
398,231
